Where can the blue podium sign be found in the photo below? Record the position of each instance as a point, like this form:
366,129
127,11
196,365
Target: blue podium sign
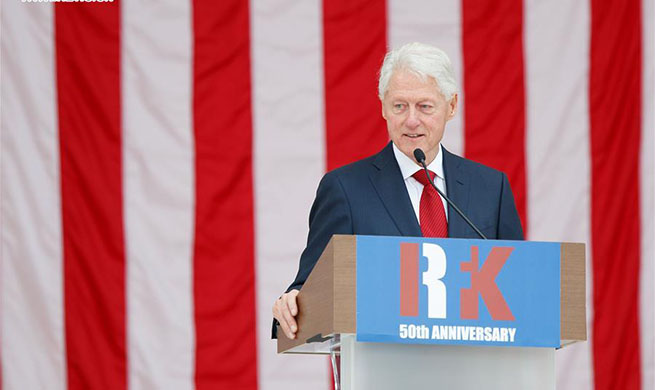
458,291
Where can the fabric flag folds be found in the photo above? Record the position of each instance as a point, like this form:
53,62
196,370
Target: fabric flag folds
159,159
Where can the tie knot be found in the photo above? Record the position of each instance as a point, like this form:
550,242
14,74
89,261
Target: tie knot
422,178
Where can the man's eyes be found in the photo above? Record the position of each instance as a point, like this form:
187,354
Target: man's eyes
426,107
423,107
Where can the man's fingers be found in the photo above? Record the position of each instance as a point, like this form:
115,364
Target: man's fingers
288,317
291,302
285,310
279,309
285,328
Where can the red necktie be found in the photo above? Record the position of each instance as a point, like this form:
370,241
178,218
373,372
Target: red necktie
431,211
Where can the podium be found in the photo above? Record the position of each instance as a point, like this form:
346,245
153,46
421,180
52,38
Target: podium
427,313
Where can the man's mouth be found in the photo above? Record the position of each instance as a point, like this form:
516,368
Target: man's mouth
414,136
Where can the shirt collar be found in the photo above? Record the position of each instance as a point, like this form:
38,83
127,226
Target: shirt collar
408,167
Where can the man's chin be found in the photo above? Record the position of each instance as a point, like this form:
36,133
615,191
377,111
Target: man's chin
408,149
430,152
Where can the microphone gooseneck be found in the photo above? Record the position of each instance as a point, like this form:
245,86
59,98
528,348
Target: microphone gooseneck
419,155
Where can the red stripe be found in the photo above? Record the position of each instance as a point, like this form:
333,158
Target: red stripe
494,117
224,279
615,119
354,44
409,279
355,41
88,87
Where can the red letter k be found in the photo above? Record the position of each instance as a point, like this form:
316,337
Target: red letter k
483,281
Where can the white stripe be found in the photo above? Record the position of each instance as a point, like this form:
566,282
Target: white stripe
31,286
647,293
436,23
158,192
289,162
557,141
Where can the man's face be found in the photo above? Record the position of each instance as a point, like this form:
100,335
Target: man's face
416,113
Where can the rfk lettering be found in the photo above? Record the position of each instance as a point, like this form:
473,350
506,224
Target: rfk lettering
483,283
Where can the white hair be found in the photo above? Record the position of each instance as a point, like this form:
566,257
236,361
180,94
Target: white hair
422,60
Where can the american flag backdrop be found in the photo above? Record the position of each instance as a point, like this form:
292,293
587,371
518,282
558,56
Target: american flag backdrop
159,159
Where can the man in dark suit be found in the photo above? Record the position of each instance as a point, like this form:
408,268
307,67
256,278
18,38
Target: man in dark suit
388,193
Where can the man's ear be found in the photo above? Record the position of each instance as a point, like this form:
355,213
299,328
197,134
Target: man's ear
383,113
452,107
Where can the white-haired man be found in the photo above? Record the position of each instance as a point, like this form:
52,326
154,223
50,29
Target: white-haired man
388,193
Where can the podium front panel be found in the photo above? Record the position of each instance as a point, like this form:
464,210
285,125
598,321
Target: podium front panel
458,291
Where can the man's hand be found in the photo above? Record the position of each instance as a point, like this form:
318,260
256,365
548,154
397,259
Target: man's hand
285,310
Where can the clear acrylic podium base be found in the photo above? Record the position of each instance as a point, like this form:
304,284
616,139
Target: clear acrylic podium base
379,366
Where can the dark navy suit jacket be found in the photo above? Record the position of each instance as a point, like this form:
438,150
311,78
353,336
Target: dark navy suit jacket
369,197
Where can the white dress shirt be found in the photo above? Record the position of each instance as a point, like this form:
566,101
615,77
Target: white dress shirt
408,167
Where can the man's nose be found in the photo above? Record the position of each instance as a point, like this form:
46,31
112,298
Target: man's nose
412,121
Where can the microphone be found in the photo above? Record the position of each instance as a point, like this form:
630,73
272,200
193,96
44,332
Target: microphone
420,158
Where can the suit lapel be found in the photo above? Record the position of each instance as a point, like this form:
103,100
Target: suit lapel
458,190
390,186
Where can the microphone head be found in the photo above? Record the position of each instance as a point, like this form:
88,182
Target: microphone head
419,155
